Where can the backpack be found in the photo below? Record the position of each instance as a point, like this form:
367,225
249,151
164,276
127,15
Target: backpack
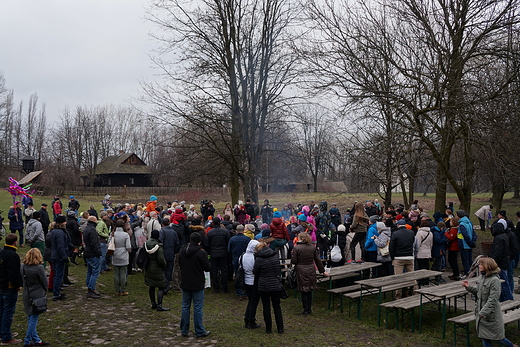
335,253
141,257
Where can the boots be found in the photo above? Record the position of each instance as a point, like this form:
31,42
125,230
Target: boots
160,307
73,259
93,294
250,324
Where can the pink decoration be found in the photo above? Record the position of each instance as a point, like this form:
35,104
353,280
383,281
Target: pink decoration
16,190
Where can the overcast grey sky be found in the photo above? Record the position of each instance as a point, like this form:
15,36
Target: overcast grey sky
73,52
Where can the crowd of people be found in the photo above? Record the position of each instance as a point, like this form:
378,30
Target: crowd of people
172,244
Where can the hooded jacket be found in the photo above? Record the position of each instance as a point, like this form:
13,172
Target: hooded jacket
237,246
193,261
424,241
170,240
381,241
248,262
34,231
154,272
487,291
500,248
279,230
267,270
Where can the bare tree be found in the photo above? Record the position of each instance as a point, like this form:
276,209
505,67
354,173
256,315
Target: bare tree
434,49
230,61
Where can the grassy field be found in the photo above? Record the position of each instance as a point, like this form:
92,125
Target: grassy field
123,321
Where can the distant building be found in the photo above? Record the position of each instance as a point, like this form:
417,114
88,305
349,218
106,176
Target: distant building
120,170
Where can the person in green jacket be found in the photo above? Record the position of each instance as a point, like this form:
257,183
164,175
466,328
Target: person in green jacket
490,326
154,271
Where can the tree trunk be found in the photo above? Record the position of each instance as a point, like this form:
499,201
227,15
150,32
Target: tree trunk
498,189
516,194
440,189
234,185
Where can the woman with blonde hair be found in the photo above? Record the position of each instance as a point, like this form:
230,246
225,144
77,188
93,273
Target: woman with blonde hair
490,325
359,227
305,258
34,287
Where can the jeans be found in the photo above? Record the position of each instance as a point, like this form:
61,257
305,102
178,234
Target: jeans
503,342
59,272
274,297
31,336
505,294
466,255
103,264
8,299
120,273
93,271
197,296
511,276
219,273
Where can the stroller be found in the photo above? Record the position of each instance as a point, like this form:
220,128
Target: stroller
473,270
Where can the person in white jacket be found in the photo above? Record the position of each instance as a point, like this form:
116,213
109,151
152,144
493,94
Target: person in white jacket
248,263
423,245
483,214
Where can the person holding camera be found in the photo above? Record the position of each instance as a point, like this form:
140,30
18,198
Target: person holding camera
207,209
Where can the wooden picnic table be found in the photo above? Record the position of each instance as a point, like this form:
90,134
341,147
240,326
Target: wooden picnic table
441,294
345,271
375,285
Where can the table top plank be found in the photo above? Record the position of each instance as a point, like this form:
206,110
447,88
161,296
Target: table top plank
350,268
395,279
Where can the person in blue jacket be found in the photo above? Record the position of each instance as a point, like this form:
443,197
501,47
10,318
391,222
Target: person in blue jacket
439,247
467,240
15,217
370,246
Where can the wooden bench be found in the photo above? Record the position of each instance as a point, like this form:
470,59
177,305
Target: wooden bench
340,291
404,305
359,294
463,320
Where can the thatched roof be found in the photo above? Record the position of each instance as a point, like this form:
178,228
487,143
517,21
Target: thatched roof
125,163
28,178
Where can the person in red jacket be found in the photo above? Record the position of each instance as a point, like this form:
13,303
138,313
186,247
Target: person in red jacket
279,232
453,248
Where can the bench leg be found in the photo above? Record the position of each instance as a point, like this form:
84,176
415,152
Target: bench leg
341,303
467,335
455,334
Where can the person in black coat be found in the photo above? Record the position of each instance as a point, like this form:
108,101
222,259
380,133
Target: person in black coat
193,262
218,239
500,253
168,237
74,233
10,284
92,257
44,219
60,251
267,275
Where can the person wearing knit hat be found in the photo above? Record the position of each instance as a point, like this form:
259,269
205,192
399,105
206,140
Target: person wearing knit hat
277,214
193,261
34,235
382,241
249,230
60,241
154,273
237,246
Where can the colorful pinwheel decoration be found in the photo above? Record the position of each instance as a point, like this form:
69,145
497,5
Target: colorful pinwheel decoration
15,189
